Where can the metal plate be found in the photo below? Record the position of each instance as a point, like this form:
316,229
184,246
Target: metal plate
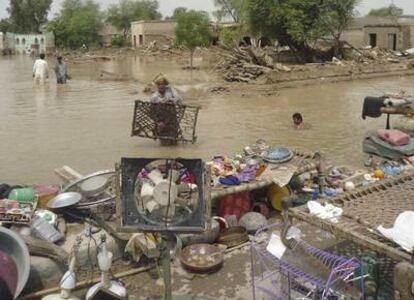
94,185
65,200
92,201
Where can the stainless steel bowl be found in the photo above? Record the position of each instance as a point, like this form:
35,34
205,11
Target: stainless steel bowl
65,200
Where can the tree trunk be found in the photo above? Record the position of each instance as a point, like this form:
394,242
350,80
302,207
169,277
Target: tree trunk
337,47
191,58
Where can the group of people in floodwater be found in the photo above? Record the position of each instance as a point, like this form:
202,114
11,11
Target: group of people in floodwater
41,70
166,123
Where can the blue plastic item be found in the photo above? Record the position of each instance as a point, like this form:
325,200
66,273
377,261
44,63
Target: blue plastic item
315,194
278,155
391,171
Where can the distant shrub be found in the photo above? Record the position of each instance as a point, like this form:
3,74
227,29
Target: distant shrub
118,41
229,37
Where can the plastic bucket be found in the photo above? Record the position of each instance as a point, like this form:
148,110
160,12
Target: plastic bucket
276,194
22,195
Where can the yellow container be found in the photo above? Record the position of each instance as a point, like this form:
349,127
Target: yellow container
276,194
45,193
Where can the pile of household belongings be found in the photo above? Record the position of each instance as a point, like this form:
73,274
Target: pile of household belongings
388,143
250,166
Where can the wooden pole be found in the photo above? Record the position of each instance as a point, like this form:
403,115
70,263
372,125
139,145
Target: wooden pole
86,283
166,267
397,110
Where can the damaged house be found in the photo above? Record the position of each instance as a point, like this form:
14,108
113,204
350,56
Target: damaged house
384,33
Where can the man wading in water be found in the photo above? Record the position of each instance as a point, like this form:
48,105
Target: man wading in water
164,112
61,71
40,70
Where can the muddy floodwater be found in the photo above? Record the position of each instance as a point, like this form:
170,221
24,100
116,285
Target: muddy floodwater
86,124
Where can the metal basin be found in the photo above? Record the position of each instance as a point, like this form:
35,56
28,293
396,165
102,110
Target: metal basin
201,258
12,244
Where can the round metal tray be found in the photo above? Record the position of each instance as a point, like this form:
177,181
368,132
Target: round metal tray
201,258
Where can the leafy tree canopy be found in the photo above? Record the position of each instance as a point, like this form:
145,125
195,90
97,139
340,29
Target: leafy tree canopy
388,11
193,30
78,23
176,13
5,25
338,14
297,23
126,11
234,9
26,16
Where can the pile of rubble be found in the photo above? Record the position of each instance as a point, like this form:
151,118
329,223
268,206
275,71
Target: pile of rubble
368,55
244,64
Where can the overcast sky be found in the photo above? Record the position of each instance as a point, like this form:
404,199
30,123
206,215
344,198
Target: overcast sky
167,6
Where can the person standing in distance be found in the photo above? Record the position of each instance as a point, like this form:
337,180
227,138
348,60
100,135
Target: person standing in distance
40,70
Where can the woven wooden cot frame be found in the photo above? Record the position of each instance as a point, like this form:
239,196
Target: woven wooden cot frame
363,209
146,114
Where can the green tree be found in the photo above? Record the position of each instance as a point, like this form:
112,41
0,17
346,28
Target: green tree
338,14
27,16
388,11
5,25
118,41
177,12
234,9
193,30
78,23
229,37
126,11
294,23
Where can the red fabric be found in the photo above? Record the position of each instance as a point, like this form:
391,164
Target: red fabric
236,204
394,137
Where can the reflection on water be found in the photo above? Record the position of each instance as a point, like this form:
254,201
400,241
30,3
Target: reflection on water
86,124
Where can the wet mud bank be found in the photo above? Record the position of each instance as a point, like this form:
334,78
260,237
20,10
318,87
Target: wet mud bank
319,75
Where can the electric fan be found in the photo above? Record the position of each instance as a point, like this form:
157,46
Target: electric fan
166,196
163,195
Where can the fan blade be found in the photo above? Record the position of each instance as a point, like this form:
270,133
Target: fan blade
147,190
155,176
152,205
165,193
173,175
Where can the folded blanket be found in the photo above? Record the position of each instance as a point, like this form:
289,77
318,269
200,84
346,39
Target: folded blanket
394,136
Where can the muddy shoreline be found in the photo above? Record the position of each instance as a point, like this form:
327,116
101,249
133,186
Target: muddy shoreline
287,82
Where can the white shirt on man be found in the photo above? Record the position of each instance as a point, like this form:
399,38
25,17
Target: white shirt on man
40,69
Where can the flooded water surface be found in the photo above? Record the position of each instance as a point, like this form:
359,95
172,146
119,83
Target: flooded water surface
86,124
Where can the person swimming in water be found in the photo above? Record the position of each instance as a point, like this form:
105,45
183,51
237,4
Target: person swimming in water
298,121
